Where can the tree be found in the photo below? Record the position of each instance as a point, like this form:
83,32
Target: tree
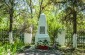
10,5
73,11
8,8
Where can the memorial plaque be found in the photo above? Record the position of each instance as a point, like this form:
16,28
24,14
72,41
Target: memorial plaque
42,30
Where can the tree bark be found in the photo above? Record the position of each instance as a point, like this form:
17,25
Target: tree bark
11,21
31,8
74,22
40,9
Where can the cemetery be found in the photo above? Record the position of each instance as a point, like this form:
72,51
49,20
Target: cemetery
39,27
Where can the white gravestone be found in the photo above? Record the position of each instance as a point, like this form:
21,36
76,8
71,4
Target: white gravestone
28,37
61,38
75,41
42,34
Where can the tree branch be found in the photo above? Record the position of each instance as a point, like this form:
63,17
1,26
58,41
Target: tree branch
6,4
16,15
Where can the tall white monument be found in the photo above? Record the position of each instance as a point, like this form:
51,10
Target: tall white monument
42,34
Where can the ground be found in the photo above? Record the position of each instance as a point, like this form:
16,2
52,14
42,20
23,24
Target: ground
53,52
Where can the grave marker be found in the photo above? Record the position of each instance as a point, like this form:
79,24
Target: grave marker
61,38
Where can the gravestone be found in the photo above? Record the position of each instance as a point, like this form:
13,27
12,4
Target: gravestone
61,38
75,41
28,36
42,34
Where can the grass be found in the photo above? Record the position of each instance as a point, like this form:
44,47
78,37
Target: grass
10,48
13,49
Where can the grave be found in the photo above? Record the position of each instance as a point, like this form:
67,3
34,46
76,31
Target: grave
61,38
41,38
28,36
42,34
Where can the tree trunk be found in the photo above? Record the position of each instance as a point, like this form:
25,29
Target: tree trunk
54,37
40,9
31,8
74,22
11,21
74,29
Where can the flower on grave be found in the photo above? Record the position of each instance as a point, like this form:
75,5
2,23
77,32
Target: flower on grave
40,42
43,45
45,42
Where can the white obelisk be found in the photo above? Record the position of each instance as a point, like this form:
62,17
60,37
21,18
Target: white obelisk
42,30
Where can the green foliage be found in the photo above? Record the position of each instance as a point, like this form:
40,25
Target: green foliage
22,19
12,48
4,23
53,26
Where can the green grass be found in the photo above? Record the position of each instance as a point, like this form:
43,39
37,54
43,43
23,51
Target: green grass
12,48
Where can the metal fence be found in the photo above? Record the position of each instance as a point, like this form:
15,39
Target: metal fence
80,41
